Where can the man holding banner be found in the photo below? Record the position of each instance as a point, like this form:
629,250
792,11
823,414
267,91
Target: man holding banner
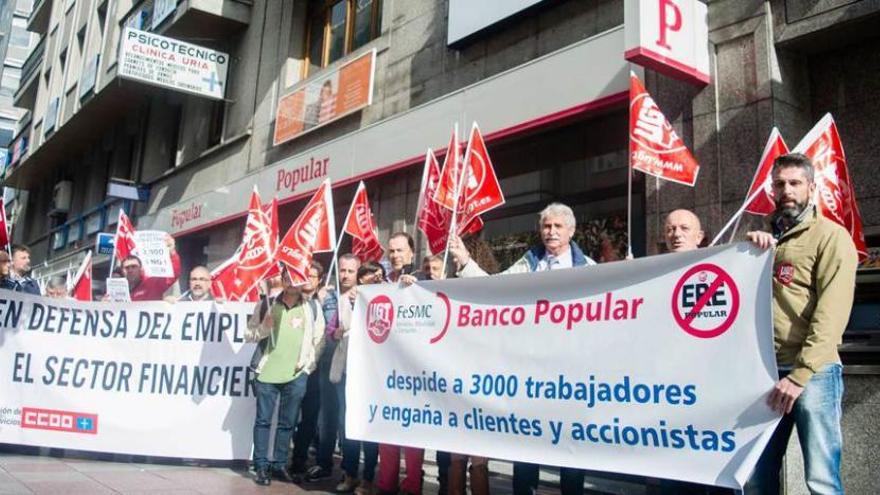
814,272
557,225
144,288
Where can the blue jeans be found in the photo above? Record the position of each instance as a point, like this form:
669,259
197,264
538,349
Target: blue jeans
328,418
291,394
816,413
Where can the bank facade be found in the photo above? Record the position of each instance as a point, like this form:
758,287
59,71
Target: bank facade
547,82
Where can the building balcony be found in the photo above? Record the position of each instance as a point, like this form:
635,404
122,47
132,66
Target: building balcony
203,19
39,19
26,94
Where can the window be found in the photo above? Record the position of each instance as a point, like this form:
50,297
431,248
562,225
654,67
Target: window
338,27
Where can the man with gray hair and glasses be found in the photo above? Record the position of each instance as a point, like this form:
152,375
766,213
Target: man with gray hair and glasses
556,226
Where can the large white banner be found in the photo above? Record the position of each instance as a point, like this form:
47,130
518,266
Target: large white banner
152,379
657,367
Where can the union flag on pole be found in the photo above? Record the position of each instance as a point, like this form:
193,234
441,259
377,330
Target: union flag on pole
654,146
272,211
225,285
447,186
82,282
480,191
255,257
835,196
431,218
314,231
762,203
359,224
123,243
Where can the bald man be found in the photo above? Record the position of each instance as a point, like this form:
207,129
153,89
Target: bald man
682,231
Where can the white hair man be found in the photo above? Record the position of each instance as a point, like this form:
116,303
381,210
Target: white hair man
556,226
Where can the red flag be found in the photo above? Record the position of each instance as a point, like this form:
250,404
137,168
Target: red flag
654,147
123,243
763,203
480,191
255,258
359,224
432,219
272,211
835,196
314,231
445,192
225,285
82,282
4,227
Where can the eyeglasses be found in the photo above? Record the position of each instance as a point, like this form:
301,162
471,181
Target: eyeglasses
199,279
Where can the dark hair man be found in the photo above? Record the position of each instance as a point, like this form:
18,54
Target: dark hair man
19,278
144,288
814,269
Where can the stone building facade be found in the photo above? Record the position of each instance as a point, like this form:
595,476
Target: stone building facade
548,86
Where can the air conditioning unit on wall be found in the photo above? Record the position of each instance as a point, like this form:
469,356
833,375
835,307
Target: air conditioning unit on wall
62,194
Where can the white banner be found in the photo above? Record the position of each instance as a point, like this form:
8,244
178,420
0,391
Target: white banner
153,379
657,367
153,253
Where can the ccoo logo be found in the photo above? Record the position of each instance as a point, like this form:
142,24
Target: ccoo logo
380,317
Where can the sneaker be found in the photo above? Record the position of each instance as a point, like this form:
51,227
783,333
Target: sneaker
347,485
365,488
285,476
262,478
316,473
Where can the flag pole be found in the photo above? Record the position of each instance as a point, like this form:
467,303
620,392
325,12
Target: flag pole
736,215
417,232
454,220
333,263
629,207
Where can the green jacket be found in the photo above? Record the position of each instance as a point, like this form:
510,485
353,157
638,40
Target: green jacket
814,273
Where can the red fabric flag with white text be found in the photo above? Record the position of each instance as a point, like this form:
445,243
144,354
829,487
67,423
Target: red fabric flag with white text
480,189
255,257
123,242
272,211
835,196
654,146
762,203
314,231
431,218
82,282
226,286
359,224
447,186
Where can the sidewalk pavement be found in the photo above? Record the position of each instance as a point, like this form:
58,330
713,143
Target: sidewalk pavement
26,470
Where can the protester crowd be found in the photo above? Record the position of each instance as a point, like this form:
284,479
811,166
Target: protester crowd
302,335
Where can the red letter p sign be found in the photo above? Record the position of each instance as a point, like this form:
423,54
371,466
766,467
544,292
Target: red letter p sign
670,19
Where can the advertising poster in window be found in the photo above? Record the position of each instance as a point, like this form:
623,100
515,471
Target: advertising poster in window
324,99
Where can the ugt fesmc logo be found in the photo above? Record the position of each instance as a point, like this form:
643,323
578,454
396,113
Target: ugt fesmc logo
414,318
55,420
380,317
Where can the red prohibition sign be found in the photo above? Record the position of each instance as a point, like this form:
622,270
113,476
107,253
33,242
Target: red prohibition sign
686,321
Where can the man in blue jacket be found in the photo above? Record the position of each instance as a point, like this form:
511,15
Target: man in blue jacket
557,251
19,278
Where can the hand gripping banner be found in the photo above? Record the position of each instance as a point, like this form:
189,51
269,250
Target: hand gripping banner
656,367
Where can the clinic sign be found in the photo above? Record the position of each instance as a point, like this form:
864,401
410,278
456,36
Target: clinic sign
172,64
669,36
